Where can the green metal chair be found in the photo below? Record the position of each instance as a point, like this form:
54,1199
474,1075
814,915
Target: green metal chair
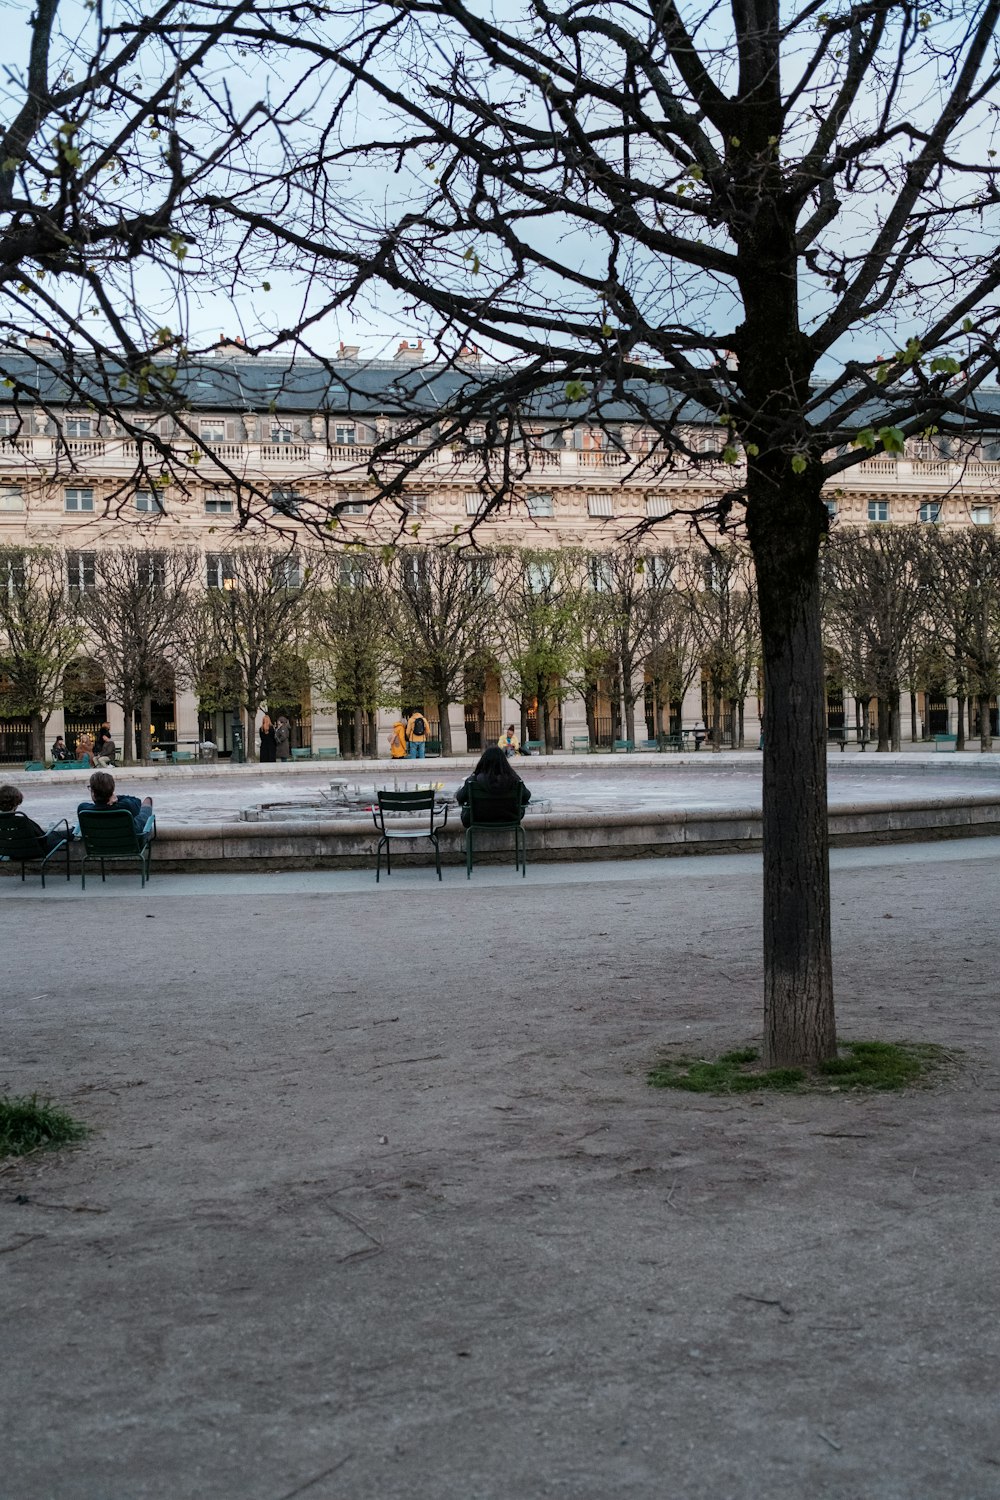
407,802
482,807
20,844
110,838
34,765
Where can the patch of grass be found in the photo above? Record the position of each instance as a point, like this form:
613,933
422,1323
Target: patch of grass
34,1125
858,1066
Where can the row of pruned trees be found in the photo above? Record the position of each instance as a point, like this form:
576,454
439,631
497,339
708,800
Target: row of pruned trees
369,629
911,608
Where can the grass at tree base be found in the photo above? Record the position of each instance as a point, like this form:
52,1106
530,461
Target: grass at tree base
858,1067
33,1124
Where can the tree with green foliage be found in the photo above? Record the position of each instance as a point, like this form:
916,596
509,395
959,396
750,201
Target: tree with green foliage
40,634
962,598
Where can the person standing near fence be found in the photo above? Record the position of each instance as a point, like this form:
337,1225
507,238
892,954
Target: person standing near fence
416,735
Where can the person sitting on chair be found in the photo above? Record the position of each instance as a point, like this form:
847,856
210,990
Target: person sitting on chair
105,799
495,774
59,751
51,838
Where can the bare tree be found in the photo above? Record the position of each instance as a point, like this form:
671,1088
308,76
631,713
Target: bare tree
542,604
618,199
351,634
629,588
445,602
254,615
723,609
785,220
40,635
963,601
136,616
875,598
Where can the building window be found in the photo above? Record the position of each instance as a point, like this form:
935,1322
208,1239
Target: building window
599,569
479,575
878,510
345,435
12,575
416,505
152,570
219,572
11,426
539,506
11,498
80,570
218,505
353,571
79,427
352,505
285,503
288,572
657,505
212,432
982,515
600,505
831,509
77,499
659,569
283,432
930,511
474,504
539,577
148,503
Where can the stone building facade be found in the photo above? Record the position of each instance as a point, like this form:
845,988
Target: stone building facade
261,441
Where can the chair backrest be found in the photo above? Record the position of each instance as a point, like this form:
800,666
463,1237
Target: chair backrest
498,807
410,802
18,839
110,835
34,765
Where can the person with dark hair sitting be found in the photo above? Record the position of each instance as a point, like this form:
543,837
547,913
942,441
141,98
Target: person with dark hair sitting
105,799
49,838
506,792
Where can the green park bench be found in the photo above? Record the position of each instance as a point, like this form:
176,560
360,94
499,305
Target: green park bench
302,753
580,744
627,745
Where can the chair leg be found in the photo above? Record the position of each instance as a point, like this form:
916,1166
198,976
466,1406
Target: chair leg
524,853
378,861
437,854
468,854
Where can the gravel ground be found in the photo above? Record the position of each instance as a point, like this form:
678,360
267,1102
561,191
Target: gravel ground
379,1204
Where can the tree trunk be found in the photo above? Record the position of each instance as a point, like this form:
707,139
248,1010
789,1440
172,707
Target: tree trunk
444,726
740,707
373,733
883,722
359,733
145,737
716,718
894,725
913,718
985,727
37,736
799,1026
960,726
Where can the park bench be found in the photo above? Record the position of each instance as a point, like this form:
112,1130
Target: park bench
432,747
946,743
580,744
649,745
180,756
70,765
302,753
328,752
34,765
627,745
532,747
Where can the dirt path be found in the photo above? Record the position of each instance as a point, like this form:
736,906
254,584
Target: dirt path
379,1204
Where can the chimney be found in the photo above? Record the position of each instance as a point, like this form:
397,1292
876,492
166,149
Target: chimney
469,355
348,351
409,352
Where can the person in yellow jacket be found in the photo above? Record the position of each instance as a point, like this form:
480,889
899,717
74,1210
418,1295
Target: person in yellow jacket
397,741
509,742
416,735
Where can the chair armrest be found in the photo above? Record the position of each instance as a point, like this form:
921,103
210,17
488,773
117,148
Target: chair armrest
444,821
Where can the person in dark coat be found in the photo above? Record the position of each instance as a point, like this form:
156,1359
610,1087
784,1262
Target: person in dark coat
268,748
495,773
